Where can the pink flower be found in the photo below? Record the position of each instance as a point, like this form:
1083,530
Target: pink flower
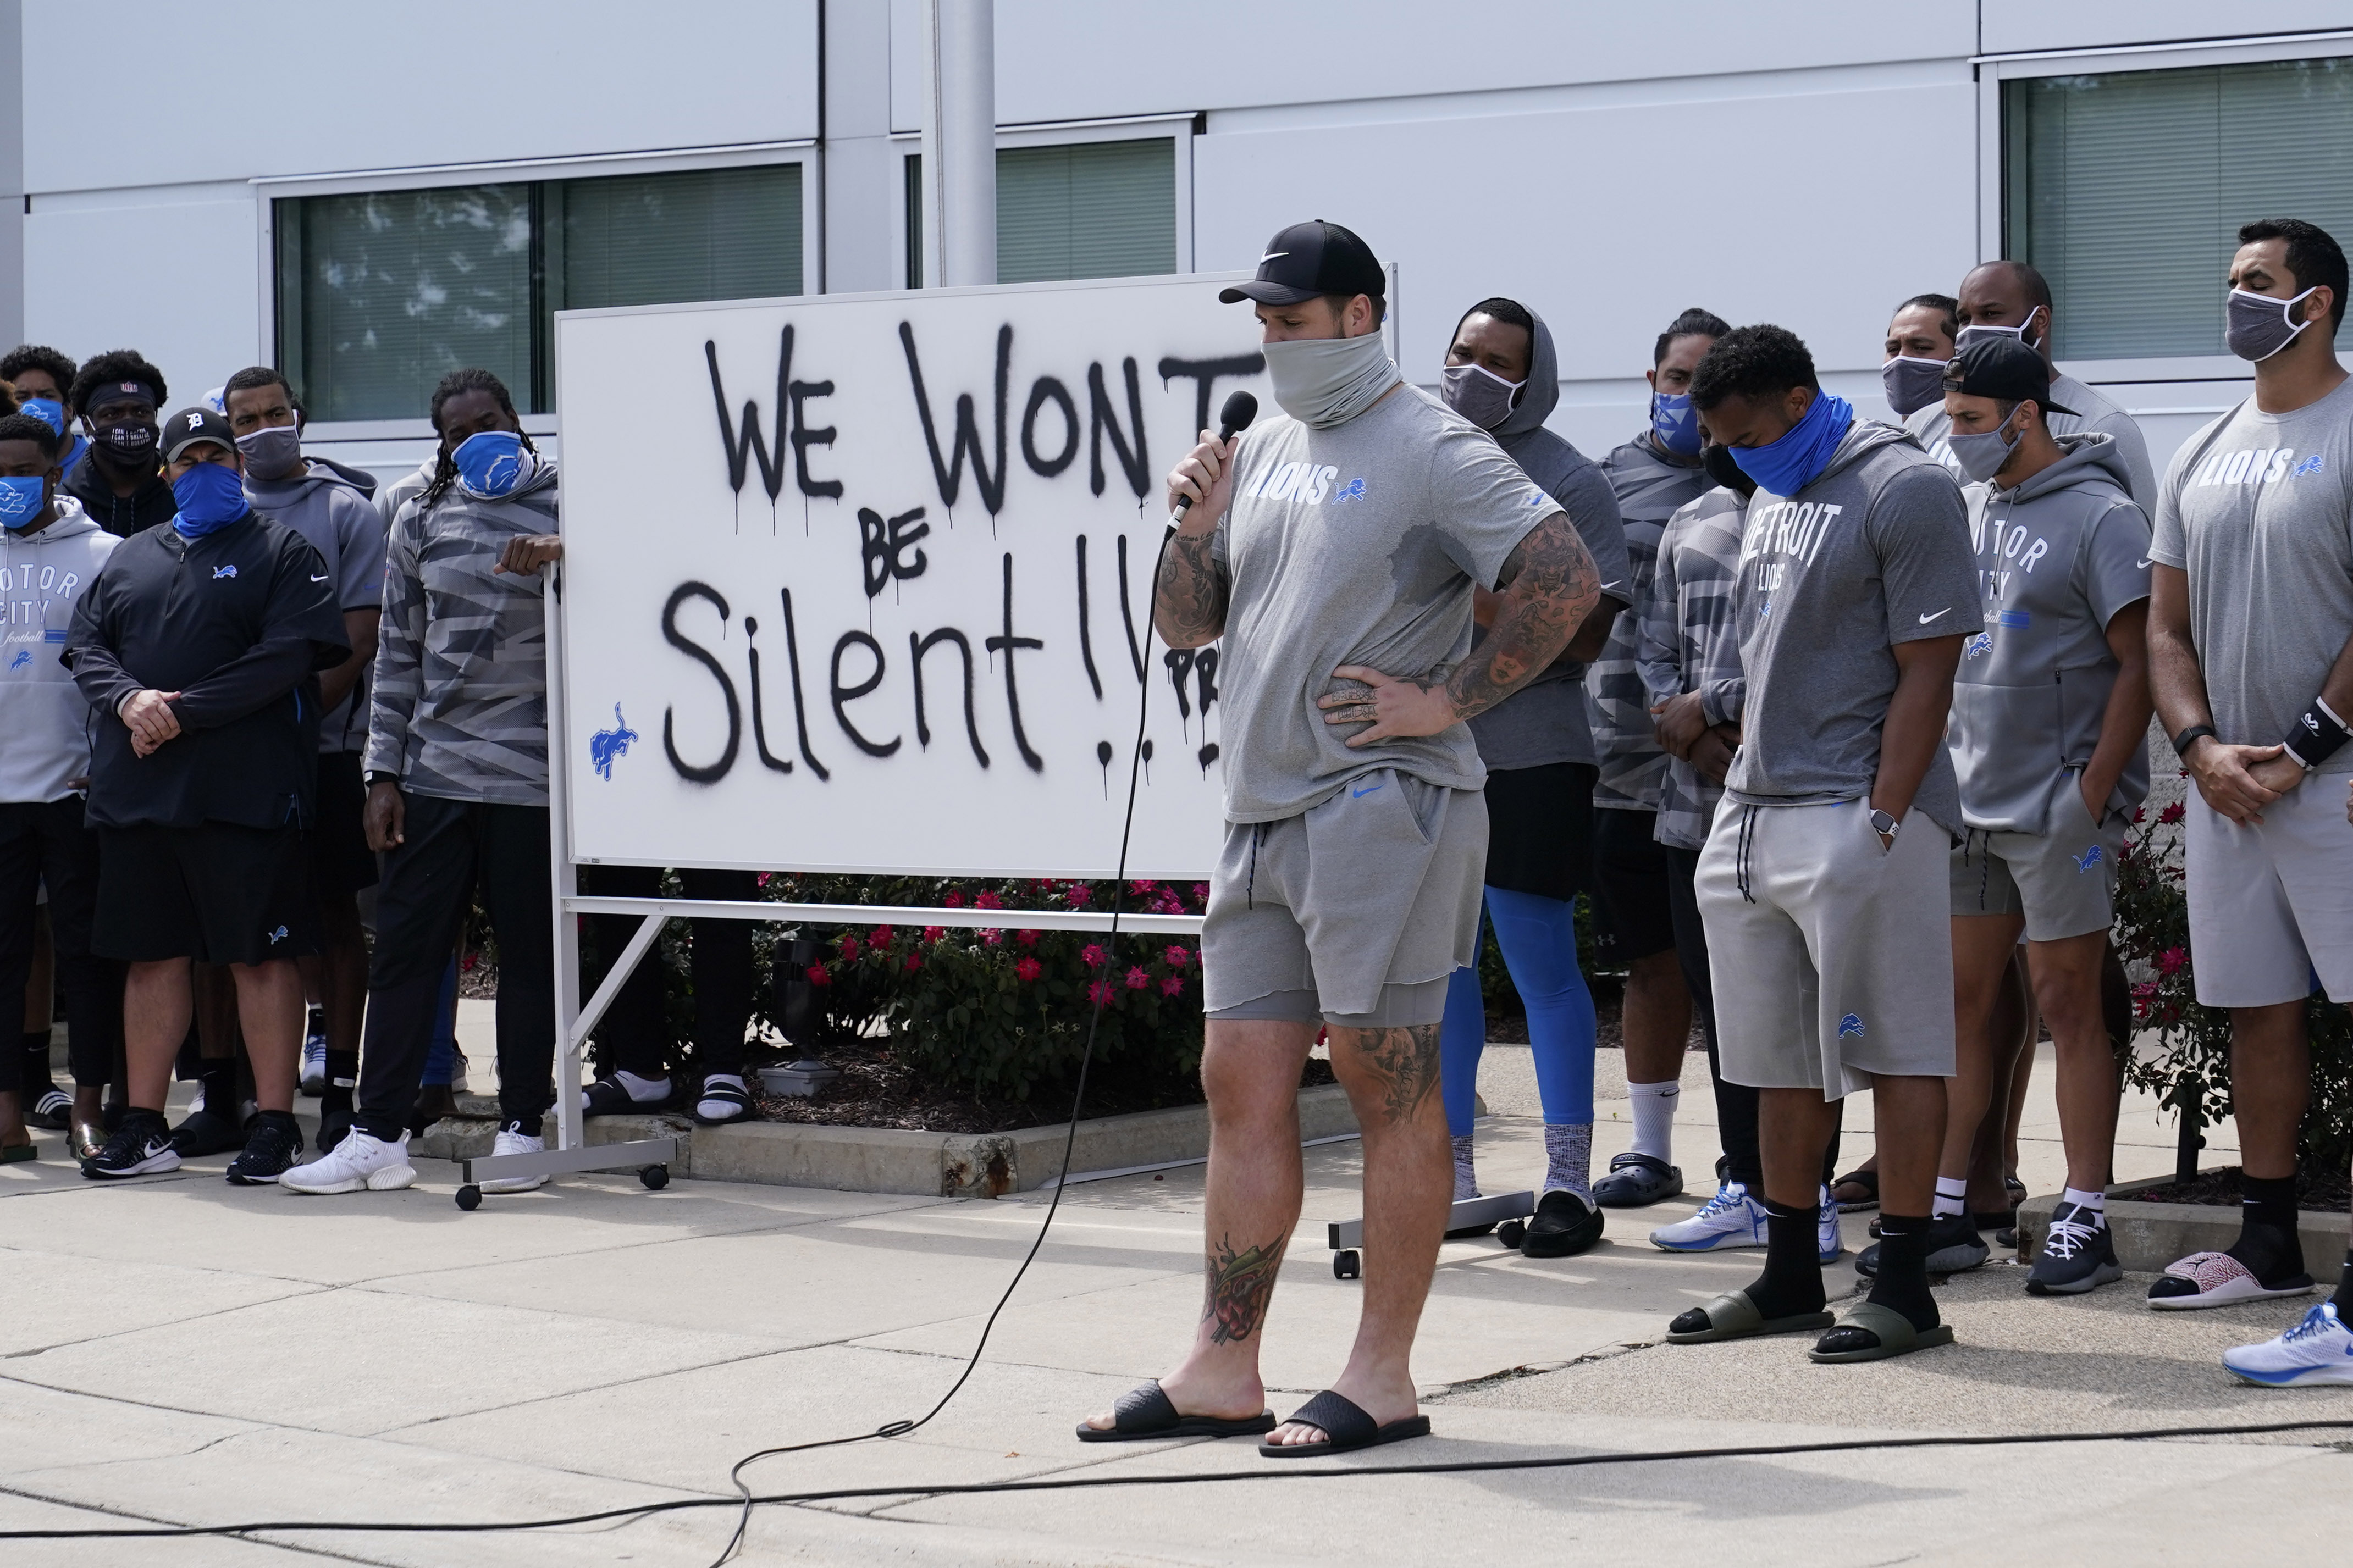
1025,938
1167,902
2172,813
466,965
1178,957
933,933
915,961
954,900
1028,969
1140,888
1099,992
992,935
1173,986
2170,960
1078,896
1137,980
882,935
764,879
817,976
988,901
1092,955
849,948
2139,812
1201,890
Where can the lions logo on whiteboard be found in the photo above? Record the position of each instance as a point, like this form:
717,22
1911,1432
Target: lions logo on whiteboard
607,744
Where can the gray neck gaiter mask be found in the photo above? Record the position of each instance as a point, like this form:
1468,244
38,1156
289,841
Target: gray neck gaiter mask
1325,382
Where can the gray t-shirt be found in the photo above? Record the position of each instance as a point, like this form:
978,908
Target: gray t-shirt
343,526
2094,411
1359,546
2258,510
1875,551
1545,720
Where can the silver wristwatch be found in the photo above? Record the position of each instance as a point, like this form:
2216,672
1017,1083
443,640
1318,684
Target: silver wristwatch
1883,825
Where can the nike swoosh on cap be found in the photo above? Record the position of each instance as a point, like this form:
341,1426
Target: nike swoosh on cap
1946,611
1271,255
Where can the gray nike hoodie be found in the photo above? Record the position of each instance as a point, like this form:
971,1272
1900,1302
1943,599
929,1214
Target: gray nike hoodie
2058,557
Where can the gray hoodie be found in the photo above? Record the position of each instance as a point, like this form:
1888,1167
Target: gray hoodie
43,717
328,509
1650,489
1545,720
2057,558
2094,411
1873,553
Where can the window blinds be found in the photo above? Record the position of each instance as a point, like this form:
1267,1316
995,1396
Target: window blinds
1095,209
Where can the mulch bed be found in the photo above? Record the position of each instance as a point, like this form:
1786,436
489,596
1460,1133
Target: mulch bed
2320,1191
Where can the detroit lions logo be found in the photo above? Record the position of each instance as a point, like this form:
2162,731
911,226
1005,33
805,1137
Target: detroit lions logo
607,744
221,572
276,936
1851,1024
2087,859
1352,490
15,503
1978,646
24,657
2310,465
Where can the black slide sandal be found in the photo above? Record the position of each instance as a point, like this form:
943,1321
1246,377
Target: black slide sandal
1346,1428
606,1097
1144,1414
726,1094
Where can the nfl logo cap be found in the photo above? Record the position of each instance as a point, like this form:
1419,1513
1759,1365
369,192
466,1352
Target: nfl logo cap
1308,259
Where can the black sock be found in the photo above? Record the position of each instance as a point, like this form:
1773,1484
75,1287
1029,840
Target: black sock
2343,1300
38,1081
219,1075
343,1074
1902,1280
1792,1281
2267,1242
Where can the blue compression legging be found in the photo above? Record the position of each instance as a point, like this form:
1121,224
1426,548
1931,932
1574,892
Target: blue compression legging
1538,936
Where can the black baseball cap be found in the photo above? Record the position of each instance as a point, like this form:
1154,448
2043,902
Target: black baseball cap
2002,367
1308,259
190,425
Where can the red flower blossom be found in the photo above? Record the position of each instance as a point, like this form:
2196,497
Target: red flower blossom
2139,812
1025,938
915,961
2170,960
933,933
764,879
954,900
1137,980
1173,986
1099,992
1178,957
2172,813
988,901
1140,888
850,948
992,935
1092,955
466,965
1028,969
1078,896
1167,902
882,935
817,976
1201,890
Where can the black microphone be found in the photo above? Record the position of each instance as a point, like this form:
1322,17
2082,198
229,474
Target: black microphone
1241,408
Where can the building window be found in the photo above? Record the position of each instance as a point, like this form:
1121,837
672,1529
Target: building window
2127,190
380,294
1087,209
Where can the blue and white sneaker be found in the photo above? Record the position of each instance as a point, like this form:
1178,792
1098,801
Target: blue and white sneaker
1828,1244
1731,1218
2317,1350
314,1056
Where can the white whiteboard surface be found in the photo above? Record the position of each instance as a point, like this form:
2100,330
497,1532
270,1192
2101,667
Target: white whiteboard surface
739,674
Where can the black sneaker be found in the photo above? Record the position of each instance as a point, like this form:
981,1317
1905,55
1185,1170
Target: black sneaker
275,1145
2078,1254
1954,1247
205,1131
141,1147
1564,1224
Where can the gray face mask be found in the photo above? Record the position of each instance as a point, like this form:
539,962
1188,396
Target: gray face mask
1480,396
1981,456
1323,381
271,452
1912,383
2260,326
1969,335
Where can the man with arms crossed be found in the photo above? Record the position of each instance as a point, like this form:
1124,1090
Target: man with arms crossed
1348,889
1823,890
2250,645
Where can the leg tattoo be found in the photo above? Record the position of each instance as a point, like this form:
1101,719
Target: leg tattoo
1239,1287
1406,1061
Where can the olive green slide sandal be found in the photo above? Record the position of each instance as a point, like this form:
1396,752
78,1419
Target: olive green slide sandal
1892,1329
1735,1317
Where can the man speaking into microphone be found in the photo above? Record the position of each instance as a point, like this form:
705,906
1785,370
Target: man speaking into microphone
1335,550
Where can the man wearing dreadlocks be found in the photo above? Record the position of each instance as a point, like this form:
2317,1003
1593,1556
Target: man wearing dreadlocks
457,777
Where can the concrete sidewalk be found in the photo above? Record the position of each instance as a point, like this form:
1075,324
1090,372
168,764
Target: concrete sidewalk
179,1350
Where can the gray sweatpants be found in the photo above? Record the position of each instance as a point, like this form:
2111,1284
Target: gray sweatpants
1831,958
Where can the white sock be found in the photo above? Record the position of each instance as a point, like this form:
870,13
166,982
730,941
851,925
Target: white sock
644,1090
1466,1179
2097,1202
1952,1197
729,1079
1569,1159
1654,1118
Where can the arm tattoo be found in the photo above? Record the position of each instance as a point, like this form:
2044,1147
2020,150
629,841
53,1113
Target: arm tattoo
1405,1063
1189,600
1239,1287
1550,584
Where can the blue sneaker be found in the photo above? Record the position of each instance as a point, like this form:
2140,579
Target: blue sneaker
2317,1350
1731,1218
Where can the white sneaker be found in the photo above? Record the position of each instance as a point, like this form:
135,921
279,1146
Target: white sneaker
314,1065
1732,1218
360,1160
1828,1241
509,1142
2317,1350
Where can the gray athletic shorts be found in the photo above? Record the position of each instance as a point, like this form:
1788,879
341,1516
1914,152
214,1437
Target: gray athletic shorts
2063,879
1831,958
2271,907
1354,912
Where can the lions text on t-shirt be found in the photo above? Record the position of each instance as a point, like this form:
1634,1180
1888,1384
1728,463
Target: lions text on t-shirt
2258,510
1355,545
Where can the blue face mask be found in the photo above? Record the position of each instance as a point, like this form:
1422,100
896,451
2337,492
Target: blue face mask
211,497
492,464
21,502
46,410
1674,425
1790,464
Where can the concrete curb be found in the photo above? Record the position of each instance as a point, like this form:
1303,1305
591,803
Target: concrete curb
2150,1236
884,1160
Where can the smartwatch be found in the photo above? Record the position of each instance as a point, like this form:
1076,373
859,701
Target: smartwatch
2190,737
1884,826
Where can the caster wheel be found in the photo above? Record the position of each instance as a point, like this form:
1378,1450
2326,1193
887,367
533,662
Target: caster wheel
1348,1266
655,1177
1511,1233
470,1197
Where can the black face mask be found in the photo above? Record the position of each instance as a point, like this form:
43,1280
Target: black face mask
1717,461
128,445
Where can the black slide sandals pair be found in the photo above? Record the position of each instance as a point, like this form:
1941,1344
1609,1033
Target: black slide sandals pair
1144,1413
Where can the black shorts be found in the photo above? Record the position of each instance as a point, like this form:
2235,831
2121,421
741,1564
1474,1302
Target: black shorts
341,861
217,892
1631,868
1540,829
